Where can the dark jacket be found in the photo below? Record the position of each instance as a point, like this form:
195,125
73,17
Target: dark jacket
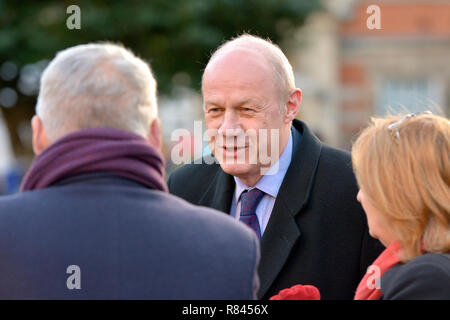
317,233
128,241
424,278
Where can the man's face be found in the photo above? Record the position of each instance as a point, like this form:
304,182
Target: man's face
241,97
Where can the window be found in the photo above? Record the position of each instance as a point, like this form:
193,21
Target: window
404,95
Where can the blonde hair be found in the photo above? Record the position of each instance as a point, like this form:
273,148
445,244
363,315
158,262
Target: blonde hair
405,173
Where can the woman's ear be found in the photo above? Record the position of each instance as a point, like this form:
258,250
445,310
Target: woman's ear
40,139
293,105
155,134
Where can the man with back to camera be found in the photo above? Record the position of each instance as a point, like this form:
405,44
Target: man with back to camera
302,204
94,219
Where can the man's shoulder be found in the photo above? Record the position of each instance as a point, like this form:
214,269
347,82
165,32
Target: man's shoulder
336,164
138,207
335,155
205,165
80,200
194,214
99,218
20,201
329,157
194,176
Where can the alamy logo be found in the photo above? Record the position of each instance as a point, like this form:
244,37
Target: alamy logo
230,147
374,20
74,280
74,20
373,282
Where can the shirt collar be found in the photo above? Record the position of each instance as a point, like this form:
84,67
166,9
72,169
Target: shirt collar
270,183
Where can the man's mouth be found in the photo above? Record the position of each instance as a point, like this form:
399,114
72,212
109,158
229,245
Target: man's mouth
233,148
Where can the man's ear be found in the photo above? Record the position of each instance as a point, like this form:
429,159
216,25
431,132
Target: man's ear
40,139
293,105
155,134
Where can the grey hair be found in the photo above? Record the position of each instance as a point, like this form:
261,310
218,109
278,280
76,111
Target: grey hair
96,85
275,56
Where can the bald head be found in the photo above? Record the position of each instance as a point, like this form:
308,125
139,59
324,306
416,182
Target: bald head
262,52
241,68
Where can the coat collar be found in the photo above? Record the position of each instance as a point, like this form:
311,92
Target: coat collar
220,192
282,231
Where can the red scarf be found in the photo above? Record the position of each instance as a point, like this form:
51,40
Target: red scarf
367,290
298,292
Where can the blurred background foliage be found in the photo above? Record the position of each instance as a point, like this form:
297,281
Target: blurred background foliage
175,37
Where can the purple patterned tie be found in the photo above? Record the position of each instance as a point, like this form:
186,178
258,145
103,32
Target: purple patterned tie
249,203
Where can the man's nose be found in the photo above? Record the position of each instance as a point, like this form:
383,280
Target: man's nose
231,125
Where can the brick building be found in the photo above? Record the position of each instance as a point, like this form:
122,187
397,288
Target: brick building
349,72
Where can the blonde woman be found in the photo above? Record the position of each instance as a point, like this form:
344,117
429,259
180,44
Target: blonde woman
403,170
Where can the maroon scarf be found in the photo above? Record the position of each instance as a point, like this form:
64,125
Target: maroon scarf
97,150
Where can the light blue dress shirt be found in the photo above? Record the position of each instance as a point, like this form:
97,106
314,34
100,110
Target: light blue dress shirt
269,183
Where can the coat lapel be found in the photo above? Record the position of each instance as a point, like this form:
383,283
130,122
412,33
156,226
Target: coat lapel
220,192
282,231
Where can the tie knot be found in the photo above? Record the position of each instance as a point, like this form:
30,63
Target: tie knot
250,200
